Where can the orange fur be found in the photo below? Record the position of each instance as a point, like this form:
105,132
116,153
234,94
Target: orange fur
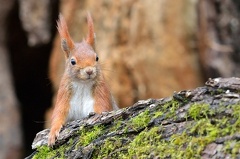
77,84
102,97
90,37
64,34
61,109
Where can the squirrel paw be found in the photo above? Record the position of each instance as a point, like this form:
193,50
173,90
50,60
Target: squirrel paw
53,135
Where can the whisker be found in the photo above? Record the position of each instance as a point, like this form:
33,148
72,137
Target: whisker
103,63
104,68
108,78
42,122
108,70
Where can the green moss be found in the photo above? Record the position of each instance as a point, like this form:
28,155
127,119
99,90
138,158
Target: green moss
220,91
157,114
236,115
116,125
204,127
198,110
149,142
44,152
217,91
142,144
236,110
48,153
231,147
87,135
186,146
235,148
170,108
107,149
139,121
173,105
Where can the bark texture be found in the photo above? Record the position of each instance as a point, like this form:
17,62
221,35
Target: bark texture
35,17
219,37
199,123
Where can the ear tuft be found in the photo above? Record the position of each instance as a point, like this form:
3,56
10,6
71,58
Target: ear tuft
91,36
66,41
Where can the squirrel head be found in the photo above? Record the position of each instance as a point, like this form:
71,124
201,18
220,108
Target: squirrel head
81,58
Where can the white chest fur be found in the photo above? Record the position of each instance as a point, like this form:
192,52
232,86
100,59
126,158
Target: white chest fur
82,102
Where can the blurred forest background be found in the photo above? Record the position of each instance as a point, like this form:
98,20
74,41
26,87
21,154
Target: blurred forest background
148,49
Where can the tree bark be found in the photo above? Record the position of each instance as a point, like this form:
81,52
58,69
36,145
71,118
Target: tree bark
199,123
35,17
219,37
10,131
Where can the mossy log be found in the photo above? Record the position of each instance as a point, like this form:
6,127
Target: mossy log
199,123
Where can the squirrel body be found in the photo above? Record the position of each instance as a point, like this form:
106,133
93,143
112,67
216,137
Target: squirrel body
82,88
82,101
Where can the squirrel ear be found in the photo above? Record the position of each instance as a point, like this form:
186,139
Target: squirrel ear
91,35
66,41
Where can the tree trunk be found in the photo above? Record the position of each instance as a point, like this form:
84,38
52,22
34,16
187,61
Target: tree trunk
219,37
10,131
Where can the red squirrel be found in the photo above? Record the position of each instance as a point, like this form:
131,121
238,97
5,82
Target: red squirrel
82,88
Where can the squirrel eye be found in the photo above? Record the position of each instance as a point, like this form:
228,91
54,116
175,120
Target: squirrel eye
97,58
73,62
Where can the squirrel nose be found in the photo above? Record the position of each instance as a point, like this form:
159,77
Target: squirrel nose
89,72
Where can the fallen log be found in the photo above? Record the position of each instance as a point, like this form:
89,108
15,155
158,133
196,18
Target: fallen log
199,123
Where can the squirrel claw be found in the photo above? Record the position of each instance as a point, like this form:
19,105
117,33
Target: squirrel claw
53,135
